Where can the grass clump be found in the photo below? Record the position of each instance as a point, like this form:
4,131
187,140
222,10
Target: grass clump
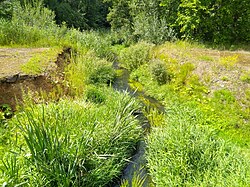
182,152
95,95
245,77
85,68
73,143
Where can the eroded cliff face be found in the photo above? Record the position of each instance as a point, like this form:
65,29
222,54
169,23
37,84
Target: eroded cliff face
15,83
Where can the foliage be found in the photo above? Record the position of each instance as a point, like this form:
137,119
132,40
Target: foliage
29,25
95,95
214,21
5,112
86,69
182,152
135,55
86,144
103,74
161,20
159,72
6,9
83,14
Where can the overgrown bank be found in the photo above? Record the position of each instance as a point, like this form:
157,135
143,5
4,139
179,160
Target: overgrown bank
203,139
85,137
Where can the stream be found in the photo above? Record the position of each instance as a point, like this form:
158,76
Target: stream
136,168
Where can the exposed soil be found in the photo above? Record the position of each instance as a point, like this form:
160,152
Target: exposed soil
14,84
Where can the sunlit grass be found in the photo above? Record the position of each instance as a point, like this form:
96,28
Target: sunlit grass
75,143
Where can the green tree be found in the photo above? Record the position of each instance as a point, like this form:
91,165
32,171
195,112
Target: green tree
83,14
6,8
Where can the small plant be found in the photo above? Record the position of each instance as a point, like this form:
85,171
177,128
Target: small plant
225,78
5,111
246,77
159,72
95,95
229,61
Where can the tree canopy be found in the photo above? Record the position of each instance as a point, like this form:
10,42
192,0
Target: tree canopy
154,20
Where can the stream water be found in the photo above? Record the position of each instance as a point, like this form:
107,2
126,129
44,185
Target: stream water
136,168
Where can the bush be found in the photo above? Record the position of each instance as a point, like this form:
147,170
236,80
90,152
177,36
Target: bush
102,74
159,72
95,95
136,55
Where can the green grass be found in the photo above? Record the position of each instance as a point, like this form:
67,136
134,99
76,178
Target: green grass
41,62
203,139
69,143
184,152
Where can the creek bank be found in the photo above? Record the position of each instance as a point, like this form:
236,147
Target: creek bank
13,87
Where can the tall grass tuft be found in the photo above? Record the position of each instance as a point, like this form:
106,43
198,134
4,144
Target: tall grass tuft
75,143
182,152
30,25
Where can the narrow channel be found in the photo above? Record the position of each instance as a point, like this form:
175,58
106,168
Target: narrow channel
137,165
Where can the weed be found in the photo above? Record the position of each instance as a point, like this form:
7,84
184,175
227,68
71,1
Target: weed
229,61
245,77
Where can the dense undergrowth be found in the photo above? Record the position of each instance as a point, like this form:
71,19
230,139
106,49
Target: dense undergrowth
203,138
77,143
61,141
86,137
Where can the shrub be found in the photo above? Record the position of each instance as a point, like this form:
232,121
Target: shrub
95,95
159,72
102,74
136,55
